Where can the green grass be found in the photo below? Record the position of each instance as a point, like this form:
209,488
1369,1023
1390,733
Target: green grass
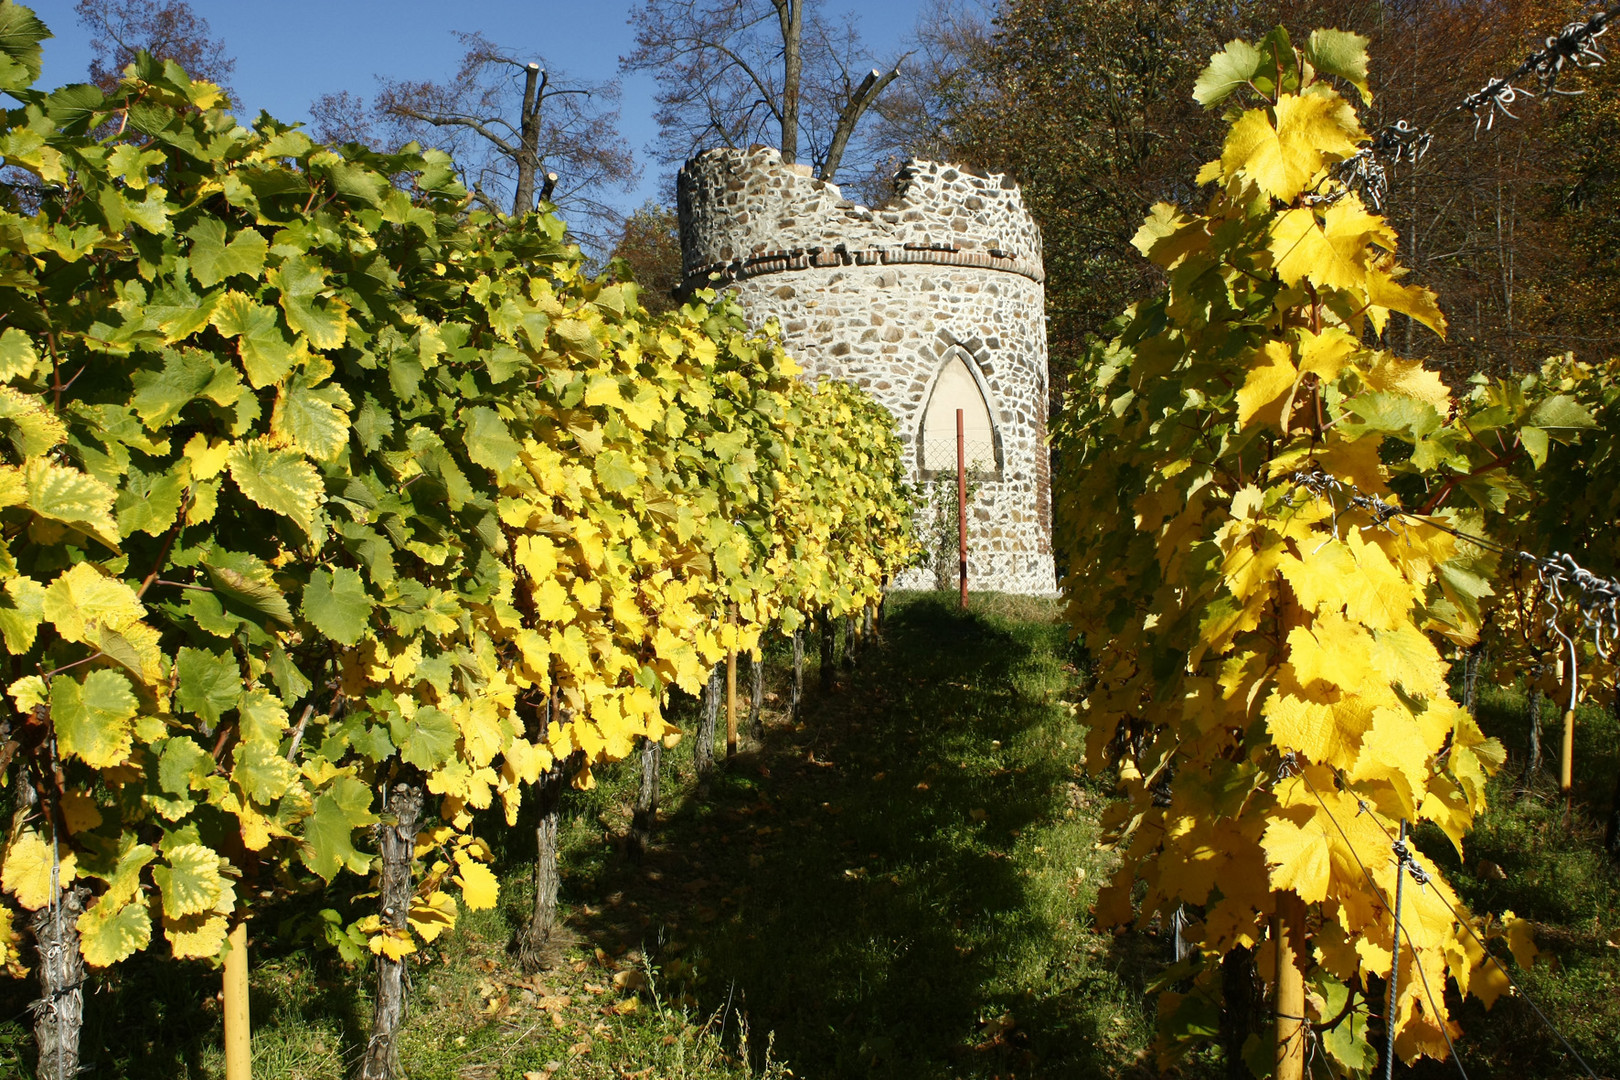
898,887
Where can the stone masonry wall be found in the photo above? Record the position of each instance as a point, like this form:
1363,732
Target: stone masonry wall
884,298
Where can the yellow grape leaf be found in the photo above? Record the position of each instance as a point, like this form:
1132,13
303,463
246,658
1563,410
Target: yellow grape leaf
479,889
1324,354
433,914
83,599
191,881
1268,383
1521,939
27,872
1386,295
1392,752
1406,656
80,812
1333,650
1298,858
1353,461
109,933
1324,731
197,937
1282,159
1164,239
207,461
394,944
1408,378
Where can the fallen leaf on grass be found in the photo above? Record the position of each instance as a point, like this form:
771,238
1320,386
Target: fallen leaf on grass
627,1006
630,979
977,815
579,1049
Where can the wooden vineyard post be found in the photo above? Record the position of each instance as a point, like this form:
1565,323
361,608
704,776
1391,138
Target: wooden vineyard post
961,505
1566,765
731,695
238,1026
1289,927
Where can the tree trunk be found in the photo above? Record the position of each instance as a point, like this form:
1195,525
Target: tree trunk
1476,655
528,155
859,101
59,1013
396,844
756,696
869,624
824,624
790,17
796,689
1532,760
708,721
1242,998
536,951
1611,835
646,815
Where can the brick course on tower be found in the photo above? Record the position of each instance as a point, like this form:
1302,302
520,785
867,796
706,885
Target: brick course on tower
935,298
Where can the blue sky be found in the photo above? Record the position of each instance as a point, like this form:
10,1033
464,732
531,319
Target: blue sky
290,51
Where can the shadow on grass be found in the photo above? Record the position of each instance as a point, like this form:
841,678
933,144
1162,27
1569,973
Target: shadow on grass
881,890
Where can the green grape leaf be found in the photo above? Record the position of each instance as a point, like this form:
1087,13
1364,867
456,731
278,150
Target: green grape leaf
336,604
190,881
182,764
266,354
109,933
187,375
20,35
93,718
213,260
262,772
328,841
426,740
489,442
1228,69
149,502
281,481
301,282
1341,53
261,718
315,419
256,595
1561,411
210,683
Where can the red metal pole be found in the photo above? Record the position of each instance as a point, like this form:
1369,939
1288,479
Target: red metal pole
961,505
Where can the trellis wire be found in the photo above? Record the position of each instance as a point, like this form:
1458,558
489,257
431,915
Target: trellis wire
1575,46
1290,767
1366,808
1597,599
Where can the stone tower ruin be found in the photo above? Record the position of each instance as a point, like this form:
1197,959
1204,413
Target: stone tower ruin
932,302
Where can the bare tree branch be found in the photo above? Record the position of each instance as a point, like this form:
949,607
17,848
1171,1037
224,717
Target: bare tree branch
509,122
744,71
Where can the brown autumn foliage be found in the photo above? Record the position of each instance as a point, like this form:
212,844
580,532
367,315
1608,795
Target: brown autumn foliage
167,29
650,246
1090,106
